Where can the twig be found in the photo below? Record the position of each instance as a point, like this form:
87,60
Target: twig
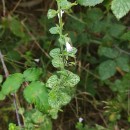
4,9
15,7
35,40
30,4
14,96
121,50
96,76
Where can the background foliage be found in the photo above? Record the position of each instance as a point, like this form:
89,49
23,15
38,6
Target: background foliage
102,38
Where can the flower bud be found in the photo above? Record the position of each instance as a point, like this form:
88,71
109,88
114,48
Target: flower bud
68,47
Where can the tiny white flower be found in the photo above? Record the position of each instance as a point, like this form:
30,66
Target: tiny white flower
60,14
37,60
68,47
80,119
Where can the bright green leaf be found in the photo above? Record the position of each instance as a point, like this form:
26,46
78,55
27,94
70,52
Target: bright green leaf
51,13
57,62
107,69
54,30
52,81
57,98
32,74
36,93
89,2
108,52
65,5
12,83
55,53
120,7
68,78
13,126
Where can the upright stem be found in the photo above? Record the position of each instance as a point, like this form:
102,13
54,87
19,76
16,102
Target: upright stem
61,26
61,30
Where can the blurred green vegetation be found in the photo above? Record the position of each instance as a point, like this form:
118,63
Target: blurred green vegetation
103,61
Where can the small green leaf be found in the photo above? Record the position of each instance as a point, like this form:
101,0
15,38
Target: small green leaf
66,5
36,93
54,30
12,83
107,69
108,52
89,2
32,74
55,53
13,126
58,62
120,8
52,81
123,63
51,13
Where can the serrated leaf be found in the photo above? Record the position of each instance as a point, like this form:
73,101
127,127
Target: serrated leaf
123,63
108,52
69,79
36,93
32,74
57,62
12,83
55,53
54,30
51,13
58,98
52,81
107,69
89,2
120,8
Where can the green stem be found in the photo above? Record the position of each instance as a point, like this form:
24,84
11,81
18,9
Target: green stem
61,26
61,30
